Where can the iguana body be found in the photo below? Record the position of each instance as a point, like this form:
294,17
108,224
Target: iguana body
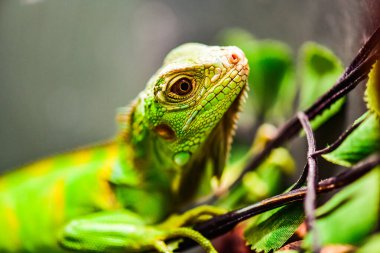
110,197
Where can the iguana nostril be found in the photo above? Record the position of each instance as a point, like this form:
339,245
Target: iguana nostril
234,58
165,132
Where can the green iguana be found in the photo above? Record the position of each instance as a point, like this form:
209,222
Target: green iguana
117,196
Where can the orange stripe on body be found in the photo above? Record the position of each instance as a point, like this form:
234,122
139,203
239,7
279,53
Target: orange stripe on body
107,198
58,202
13,231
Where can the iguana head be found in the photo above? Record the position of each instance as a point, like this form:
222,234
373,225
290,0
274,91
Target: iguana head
190,106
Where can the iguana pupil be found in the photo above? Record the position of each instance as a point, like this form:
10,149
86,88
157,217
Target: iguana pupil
185,87
182,87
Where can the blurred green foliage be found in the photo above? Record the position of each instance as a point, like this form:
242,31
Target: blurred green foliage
352,214
318,69
275,74
272,75
372,245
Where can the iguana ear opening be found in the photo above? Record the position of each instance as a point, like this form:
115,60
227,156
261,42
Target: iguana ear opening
165,132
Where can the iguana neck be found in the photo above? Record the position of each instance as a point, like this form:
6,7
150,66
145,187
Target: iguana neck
148,154
144,151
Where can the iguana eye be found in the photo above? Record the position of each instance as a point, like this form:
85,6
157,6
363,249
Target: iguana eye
182,87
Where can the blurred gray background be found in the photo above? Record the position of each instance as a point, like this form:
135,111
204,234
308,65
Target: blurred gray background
67,65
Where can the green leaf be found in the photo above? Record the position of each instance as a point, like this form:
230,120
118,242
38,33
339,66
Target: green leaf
272,77
362,142
272,229
351,214
372,93
235,37
318,69
372,245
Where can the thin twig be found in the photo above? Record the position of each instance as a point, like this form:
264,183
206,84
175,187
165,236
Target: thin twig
312,182
223,223
301,180
340,139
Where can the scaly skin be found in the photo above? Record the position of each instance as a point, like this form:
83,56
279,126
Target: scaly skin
115,196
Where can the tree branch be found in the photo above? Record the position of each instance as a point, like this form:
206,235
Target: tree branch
312,182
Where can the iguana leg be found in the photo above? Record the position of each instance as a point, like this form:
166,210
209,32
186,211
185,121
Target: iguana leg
192,216
161,247
123,231
195,236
